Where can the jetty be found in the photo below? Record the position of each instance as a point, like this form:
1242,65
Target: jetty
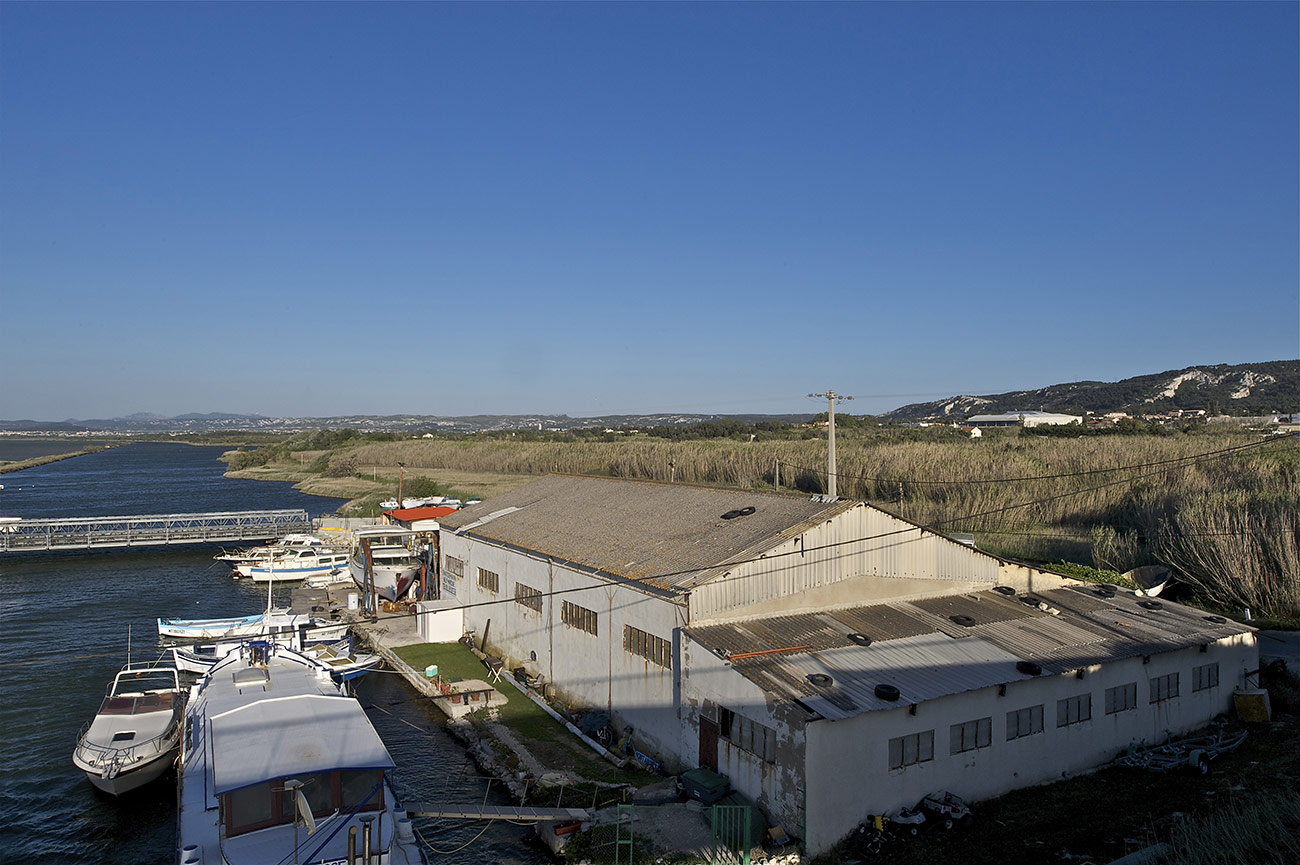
87,533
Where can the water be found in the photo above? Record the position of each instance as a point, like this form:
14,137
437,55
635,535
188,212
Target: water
64,622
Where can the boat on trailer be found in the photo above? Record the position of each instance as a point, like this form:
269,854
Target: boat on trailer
385,558
134,736
278,765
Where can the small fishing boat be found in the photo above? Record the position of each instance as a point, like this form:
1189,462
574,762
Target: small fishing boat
279,765
268,624
385,558
200,658
136,732
1151,579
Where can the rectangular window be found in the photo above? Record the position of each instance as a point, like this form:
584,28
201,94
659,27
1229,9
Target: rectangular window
971,735
489,580
455,566
578,617
758,739
648,646
1121,698
1024,722
1074,710
527,596
1164,688
910,750
1206,677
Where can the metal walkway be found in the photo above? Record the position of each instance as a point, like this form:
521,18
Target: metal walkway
85,533
521,813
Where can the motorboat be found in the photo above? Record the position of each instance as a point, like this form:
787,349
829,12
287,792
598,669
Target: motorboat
344,663
279,765
385,558
295,563
199,657
389,504
135,735
268,624
234,558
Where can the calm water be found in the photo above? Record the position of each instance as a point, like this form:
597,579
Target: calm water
64,622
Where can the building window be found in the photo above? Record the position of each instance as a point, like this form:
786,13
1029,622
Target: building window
1073,710
648,646
1024,722
971,735
527,596
489,580
578,617
1205,677
910,750
1164,688
758,739
455,566
1121,698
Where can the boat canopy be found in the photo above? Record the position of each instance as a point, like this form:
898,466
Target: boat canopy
287,736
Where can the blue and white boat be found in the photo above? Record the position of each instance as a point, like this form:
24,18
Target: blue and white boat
270,623
296,563
344,663
278,765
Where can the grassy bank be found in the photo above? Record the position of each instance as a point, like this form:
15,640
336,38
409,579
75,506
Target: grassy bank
19,465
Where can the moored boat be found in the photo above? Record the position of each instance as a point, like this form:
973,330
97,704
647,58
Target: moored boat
279,765
134,736
385,558
234,558
295,563
270,623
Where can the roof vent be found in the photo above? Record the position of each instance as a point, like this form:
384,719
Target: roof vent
886,692
860,639
738,512
821,680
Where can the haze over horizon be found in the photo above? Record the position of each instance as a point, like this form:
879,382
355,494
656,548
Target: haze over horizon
299,210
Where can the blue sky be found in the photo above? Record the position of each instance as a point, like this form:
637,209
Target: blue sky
320,209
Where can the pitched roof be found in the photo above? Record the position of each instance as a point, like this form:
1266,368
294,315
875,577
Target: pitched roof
949,645
669,536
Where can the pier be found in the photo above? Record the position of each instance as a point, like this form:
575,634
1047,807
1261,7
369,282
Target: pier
86,533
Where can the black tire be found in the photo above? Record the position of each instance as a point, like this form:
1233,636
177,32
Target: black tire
947,822
1203,764
886,692
1029,668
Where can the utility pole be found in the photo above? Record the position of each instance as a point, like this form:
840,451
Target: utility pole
830,396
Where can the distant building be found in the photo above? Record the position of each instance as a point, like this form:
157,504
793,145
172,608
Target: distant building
1024,418
830,659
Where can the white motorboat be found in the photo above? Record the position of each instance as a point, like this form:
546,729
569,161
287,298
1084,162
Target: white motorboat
295,563
389,504
339,656
385,558
234,558
134,736
278,765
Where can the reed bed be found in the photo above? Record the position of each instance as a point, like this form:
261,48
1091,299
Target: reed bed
1226,520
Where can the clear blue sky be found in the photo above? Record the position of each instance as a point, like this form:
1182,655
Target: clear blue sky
320,209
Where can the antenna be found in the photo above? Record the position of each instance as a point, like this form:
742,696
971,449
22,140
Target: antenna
830,396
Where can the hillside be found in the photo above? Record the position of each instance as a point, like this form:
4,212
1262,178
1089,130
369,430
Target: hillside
1243,389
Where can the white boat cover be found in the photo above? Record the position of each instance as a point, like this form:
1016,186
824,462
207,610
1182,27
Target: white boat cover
324,733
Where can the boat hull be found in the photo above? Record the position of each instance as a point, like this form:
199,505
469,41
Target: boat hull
133,778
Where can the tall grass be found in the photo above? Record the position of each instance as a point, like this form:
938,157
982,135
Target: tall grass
1241,832
1227,523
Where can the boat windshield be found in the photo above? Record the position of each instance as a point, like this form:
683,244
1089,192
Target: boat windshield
269,804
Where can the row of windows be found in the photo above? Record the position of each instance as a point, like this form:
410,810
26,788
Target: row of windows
758,739
970,735
654,649
578,617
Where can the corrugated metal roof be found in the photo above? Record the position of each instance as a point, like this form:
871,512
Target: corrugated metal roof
672,536
916,647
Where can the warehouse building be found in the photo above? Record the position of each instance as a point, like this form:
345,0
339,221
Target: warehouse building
748,631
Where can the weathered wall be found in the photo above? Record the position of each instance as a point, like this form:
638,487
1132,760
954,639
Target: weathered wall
848,761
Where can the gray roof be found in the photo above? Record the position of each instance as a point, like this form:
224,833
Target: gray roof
918,647
670,536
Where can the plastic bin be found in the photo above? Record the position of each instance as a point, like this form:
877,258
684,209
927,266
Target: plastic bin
705,785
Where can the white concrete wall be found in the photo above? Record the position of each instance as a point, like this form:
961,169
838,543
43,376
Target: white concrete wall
833,551
848,761
586,670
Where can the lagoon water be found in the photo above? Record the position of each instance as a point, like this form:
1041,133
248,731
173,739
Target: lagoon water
64,624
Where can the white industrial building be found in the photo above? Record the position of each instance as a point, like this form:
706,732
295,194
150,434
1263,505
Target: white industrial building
1023,418
749,632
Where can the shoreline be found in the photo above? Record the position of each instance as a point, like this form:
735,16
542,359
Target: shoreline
19,465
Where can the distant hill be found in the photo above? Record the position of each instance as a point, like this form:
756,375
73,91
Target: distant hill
1243,389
